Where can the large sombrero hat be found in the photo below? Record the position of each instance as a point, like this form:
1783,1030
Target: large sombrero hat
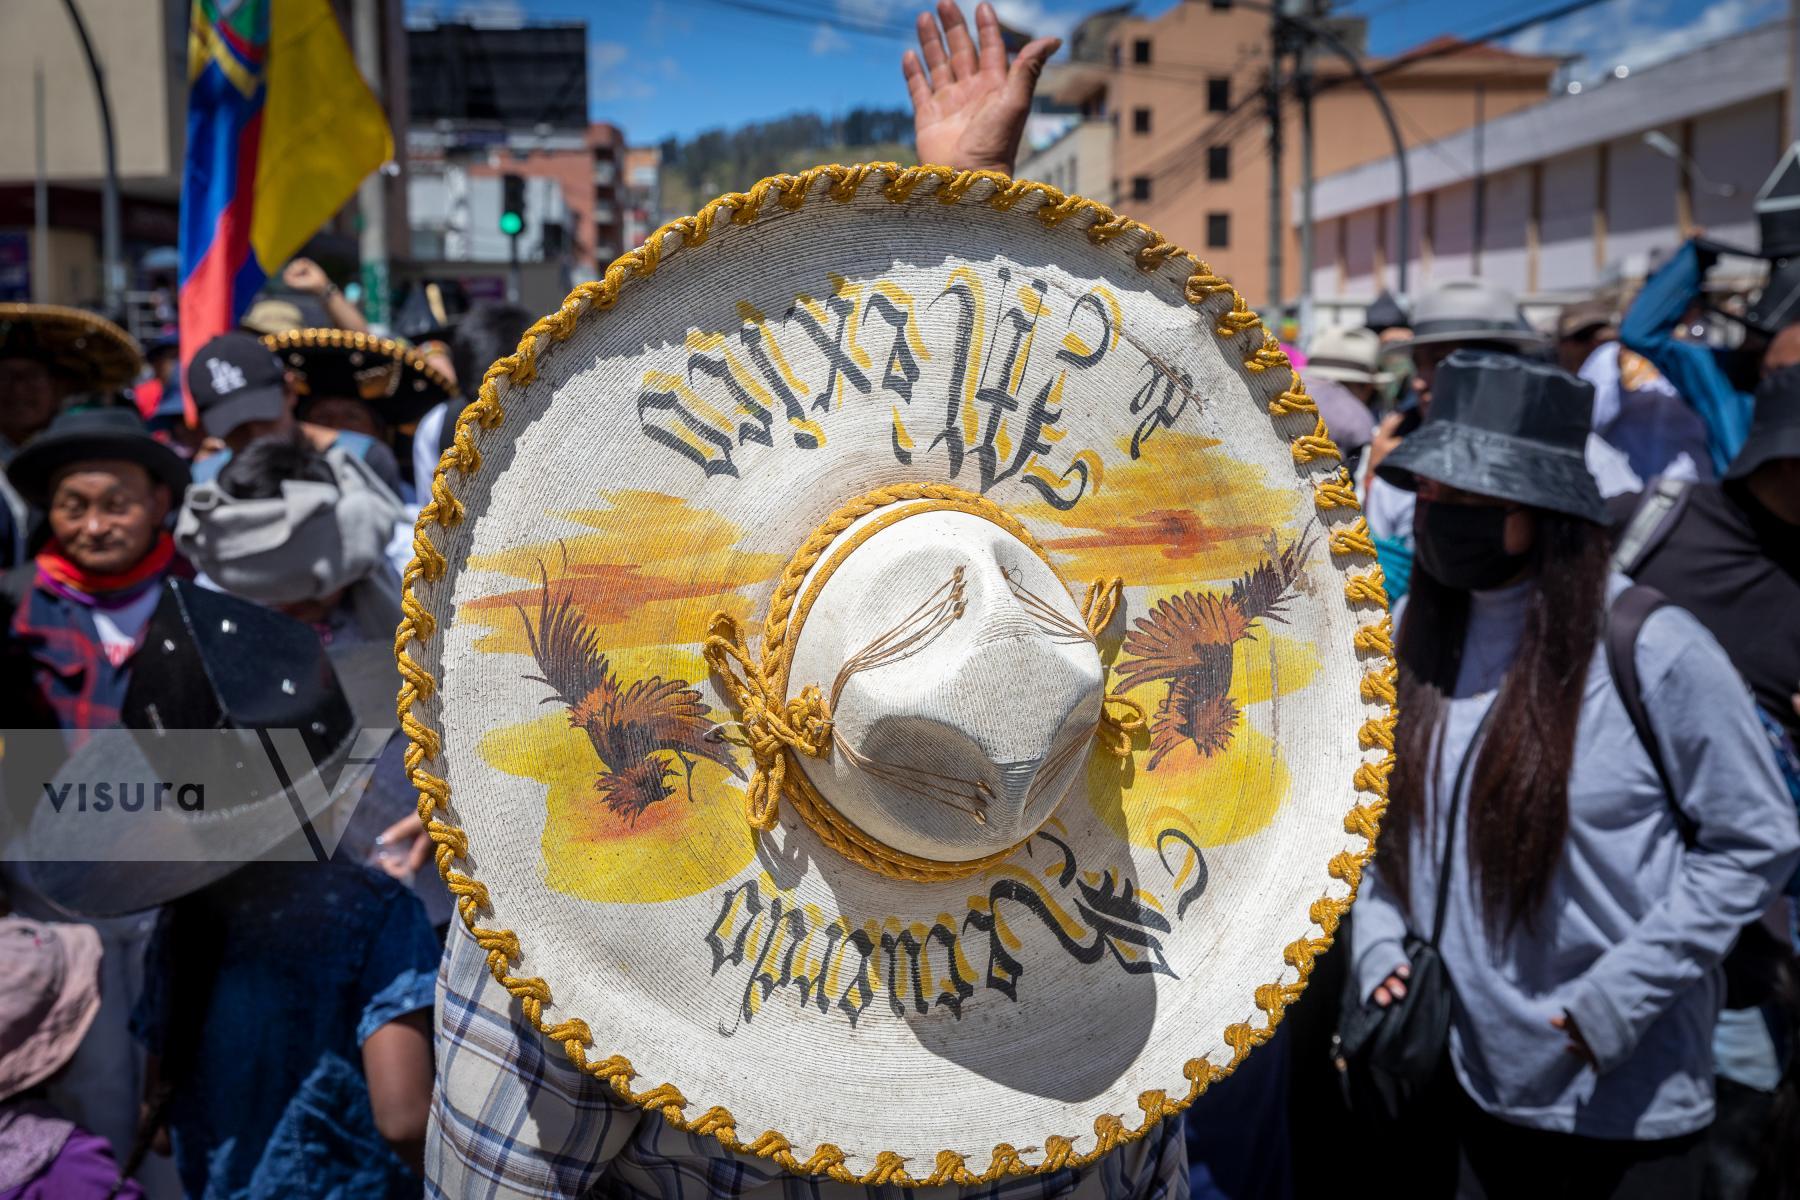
398,382
902,676
86,348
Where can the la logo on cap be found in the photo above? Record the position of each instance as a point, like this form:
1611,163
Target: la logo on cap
227,377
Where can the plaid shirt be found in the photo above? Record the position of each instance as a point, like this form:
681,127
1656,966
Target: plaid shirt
511,1117
71,675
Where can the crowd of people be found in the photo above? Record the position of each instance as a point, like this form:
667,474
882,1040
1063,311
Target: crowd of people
1570,970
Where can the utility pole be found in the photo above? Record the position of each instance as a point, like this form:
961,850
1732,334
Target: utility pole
1480,174
111,256
1272,305
40,197
1303,80
371,196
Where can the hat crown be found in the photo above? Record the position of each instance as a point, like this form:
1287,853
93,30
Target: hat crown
963,742
1348,346
93,422
1504,394
1474,305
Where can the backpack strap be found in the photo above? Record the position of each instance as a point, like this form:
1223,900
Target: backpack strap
1655,517
1624,622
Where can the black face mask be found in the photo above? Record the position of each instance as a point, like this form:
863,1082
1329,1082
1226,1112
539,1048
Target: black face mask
1463,546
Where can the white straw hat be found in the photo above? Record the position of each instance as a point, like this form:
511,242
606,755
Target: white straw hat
900,676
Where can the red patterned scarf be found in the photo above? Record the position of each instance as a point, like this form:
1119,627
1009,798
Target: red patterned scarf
59,573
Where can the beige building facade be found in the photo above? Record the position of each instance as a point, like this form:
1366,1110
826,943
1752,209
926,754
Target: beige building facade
1184,93
1080,161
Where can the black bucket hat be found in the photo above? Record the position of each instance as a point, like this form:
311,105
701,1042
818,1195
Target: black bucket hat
93,435
1505,427
1775,424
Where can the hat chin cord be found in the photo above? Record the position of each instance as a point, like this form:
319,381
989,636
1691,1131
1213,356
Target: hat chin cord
776,727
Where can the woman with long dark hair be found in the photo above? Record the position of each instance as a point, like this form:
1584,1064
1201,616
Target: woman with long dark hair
1586,905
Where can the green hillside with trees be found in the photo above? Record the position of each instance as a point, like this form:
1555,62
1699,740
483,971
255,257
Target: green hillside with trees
696,169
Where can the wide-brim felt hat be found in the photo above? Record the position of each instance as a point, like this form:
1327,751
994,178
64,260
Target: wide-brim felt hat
1774,423
398,382
85,348
93,435
243,739
1508,428
1473,311
900,675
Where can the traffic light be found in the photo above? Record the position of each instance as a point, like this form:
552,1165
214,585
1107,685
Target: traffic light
512,206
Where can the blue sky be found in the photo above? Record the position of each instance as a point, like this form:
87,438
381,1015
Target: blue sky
674,67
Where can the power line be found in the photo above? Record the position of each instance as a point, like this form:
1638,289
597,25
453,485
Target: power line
837,21
1174,72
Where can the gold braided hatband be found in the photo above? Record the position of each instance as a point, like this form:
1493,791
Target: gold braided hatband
776,727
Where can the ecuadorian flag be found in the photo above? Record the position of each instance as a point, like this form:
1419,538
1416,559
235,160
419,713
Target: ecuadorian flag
281,131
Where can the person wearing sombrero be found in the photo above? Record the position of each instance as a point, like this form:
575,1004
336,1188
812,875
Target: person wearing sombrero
359,383
898,685
49,353
78,610
1466,314
1579,875
49,996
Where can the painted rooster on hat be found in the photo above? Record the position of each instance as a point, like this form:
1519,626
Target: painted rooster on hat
1187,639
633,726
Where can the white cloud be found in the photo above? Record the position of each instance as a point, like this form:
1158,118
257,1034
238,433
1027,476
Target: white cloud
613,76
826,40
1640,33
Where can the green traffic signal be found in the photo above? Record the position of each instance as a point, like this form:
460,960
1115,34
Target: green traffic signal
511,223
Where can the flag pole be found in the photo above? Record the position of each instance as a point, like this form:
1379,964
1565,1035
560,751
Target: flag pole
372,194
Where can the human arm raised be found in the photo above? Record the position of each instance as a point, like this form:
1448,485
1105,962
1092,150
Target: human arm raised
969,102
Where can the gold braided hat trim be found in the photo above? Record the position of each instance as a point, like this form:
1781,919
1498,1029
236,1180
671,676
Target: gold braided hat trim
430,383
779,727
1296,418
88,348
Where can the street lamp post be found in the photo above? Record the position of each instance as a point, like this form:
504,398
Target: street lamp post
111,254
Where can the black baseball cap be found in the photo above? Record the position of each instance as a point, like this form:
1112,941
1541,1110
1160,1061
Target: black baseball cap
235,379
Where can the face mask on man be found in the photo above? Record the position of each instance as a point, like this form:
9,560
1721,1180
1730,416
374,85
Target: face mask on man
1463,546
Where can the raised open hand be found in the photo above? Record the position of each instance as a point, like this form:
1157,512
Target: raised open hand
969,108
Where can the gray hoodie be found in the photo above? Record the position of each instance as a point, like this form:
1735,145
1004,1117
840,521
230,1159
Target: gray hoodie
1636,922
